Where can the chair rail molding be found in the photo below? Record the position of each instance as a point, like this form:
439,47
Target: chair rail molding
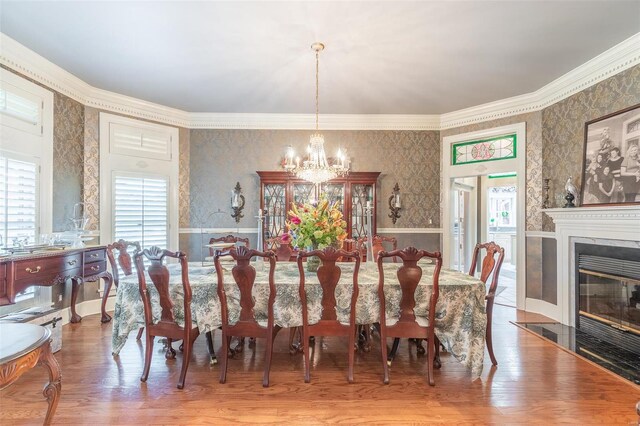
25,61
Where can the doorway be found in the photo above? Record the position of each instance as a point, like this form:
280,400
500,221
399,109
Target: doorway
467,162
499,218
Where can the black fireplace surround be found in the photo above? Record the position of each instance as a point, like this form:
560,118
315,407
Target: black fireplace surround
608,294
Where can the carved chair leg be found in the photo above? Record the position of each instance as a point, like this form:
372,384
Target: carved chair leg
295,347
419,348
148,352
212,353
140,331
171,353
270,337
352,344
436,361
430,359
186,358
489,338
306,347
394,350
239,346
383,353
75,285
226,340
54,387
108,280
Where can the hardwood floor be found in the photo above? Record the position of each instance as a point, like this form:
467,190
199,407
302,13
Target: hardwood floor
534,382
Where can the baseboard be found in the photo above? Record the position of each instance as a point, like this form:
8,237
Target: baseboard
89,307
544,308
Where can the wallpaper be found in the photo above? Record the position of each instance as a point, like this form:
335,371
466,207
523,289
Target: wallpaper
563,130
91,181
68,157
183,177
220,158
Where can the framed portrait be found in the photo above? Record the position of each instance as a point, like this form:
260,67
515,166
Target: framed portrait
611,163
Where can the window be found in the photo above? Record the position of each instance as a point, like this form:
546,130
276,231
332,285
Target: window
139,202
140,210
18,200
26,175
499,148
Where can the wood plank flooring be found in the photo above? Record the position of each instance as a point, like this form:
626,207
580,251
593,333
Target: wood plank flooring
535,382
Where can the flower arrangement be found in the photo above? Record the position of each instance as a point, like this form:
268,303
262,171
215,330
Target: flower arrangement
316,226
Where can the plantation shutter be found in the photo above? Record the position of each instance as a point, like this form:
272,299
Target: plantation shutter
141,210
18,200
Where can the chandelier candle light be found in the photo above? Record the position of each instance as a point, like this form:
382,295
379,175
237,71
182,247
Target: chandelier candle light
316,168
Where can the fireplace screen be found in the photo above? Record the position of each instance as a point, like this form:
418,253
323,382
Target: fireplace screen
606,294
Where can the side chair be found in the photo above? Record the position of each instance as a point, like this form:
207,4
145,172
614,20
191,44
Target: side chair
328,275
409,325
167,326
490,264
244,276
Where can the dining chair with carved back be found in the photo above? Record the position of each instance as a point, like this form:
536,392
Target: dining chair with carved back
490,266
409,325
378,246
167,326
121,263
364,330
328,275
244,275
228,239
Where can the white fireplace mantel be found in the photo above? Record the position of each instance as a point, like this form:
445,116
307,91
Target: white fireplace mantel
614,224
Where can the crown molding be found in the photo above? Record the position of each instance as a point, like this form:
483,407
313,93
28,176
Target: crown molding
23,60
613,61
307,121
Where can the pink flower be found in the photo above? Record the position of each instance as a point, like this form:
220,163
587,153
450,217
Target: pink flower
285,238
295,220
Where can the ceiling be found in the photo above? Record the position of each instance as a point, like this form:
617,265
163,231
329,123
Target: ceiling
425,57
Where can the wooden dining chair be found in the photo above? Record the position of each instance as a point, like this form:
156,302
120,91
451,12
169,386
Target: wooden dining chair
491,263
328,275
227,239
167,326
409,325
247,324
378,246
124,262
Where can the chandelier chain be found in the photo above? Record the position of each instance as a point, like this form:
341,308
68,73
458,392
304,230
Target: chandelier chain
317,87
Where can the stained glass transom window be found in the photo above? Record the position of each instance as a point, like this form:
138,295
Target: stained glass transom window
499,148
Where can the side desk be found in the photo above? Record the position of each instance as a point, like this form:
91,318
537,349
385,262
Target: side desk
48,268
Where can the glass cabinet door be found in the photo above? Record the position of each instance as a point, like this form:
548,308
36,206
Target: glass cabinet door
334,193
275,210
303,193
361,197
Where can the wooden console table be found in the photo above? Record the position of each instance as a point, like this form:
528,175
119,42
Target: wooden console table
22,347
54,267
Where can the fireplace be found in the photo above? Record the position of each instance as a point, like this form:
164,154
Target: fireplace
608,293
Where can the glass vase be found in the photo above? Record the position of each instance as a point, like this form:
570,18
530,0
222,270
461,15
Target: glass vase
313,262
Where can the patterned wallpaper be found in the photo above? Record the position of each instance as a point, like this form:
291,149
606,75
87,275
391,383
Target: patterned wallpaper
220,158
68,156
563,130
92,167
183,177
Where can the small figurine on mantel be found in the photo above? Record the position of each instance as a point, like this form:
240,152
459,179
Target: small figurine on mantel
572,193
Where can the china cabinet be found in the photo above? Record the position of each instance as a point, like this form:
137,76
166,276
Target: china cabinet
353,193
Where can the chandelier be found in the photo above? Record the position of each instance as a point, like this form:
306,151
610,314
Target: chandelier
316,169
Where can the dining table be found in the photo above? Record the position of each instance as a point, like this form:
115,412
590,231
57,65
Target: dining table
461,318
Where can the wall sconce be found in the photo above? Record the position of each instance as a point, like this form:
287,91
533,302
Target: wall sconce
394,204
237,203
